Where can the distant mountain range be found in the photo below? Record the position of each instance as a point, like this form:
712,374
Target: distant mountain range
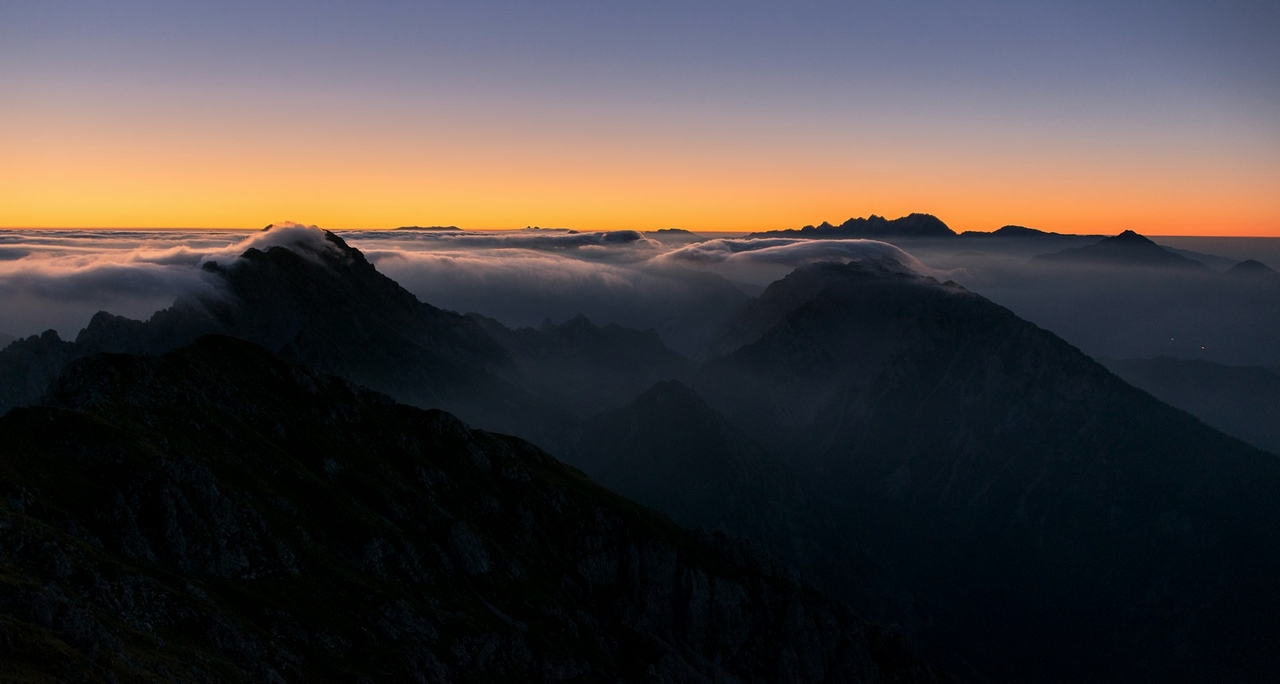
1012,232
1126,249
922,453
873,227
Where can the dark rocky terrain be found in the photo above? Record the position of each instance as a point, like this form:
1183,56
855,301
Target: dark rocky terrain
1243,401
216,514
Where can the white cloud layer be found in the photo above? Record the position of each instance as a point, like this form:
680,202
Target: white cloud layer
59,279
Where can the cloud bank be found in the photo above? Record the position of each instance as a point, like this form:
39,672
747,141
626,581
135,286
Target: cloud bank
682,289
58,279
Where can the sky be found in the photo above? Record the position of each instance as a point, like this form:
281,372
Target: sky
1088,117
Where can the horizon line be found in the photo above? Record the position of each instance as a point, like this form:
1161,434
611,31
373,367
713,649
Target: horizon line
238,229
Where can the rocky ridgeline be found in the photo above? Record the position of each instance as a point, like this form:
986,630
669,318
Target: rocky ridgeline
218,515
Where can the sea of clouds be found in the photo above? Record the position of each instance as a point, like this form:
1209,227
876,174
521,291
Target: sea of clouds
663,280
677,283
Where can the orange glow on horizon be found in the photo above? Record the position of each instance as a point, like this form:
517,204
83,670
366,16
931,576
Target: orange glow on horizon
68,169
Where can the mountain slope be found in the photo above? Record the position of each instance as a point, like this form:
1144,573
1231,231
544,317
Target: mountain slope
1243,401
1052,522
218,515
668,449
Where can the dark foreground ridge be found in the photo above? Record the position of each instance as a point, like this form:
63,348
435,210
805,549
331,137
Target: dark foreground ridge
219,515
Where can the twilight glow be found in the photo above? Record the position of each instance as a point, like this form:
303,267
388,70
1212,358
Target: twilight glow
1160,117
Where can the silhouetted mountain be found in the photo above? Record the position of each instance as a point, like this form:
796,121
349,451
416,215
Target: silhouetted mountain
218,515
1051,522
1011,232
5,340
1253,270
781,298
1126,249
674,236
1243,401
912,226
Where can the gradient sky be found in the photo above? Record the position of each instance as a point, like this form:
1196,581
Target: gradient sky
1163,117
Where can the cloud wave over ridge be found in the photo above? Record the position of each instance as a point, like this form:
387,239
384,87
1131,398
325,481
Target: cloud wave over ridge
58,279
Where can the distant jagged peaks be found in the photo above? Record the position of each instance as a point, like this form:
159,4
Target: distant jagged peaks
1126,249
910,226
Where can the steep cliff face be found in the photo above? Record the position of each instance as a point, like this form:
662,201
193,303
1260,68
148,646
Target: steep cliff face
219,515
